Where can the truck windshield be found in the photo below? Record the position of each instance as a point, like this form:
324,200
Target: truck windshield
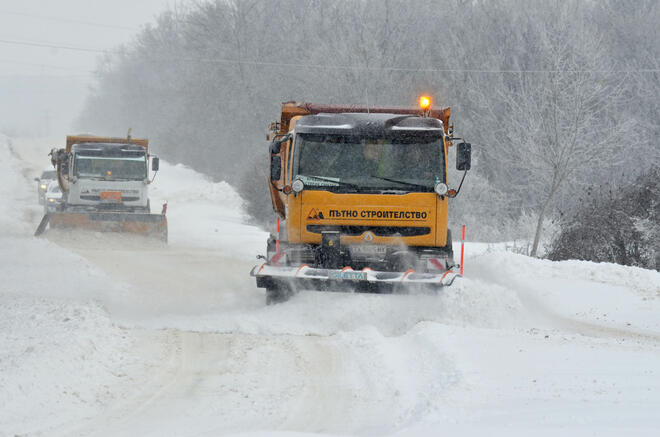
410,163
110,168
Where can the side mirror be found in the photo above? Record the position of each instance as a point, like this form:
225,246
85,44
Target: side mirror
276,144
463,156
155,163
37,179
275,147
275,168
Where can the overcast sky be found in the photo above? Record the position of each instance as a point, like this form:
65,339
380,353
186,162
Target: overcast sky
48,49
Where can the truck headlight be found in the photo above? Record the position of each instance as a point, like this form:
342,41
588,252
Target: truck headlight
441,188
298,185
51,200
42,186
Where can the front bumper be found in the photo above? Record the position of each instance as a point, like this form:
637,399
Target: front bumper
347,279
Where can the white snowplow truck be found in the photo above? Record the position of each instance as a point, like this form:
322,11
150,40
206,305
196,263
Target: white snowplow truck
104,183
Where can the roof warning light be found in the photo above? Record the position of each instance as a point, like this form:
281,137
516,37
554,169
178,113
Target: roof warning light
425,103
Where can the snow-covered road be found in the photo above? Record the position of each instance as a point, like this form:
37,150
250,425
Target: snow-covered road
111,335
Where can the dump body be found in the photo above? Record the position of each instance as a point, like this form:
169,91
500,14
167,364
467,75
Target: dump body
104,183
356,190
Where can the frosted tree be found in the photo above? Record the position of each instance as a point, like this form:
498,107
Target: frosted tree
207,78
551,127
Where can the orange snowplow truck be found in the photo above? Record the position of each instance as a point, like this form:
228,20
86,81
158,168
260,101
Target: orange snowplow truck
362,196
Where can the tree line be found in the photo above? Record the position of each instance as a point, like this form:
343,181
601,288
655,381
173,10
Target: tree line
555,96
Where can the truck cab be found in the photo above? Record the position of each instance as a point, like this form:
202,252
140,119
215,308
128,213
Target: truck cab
108,175
372,179
98,174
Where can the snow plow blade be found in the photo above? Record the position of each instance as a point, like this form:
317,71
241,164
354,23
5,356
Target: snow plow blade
346,279
150,225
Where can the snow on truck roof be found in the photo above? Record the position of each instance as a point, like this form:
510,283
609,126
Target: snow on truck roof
106,146
294,109
90,141
368,123
108,149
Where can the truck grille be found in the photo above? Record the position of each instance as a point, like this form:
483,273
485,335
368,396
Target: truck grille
380,231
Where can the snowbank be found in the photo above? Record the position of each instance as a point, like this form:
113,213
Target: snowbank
606,294
115,335
14,191
58,359
203,213
59,350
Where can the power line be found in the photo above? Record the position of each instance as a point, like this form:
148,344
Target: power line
35,64
68,20
334,67
54,46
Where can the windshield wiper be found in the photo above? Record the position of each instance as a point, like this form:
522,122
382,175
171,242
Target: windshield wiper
337,181
408,184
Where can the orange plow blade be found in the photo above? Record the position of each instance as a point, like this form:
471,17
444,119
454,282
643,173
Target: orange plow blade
150,225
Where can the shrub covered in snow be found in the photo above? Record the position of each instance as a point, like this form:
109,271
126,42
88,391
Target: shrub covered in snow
620,226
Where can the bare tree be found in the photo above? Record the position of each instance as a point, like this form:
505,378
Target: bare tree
205,80
551,127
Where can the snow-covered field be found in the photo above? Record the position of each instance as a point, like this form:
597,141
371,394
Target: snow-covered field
110,335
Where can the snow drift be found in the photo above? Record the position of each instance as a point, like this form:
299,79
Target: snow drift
111,336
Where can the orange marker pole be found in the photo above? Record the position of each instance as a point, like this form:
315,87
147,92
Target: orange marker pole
462,248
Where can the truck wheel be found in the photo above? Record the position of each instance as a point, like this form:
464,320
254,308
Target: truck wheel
449,245
450,250
277,293
270,247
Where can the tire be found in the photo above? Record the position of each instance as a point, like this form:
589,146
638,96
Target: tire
450,250
448,245
270,247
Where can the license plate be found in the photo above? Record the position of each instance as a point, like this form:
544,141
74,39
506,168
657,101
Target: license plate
110,196
368,250
348,276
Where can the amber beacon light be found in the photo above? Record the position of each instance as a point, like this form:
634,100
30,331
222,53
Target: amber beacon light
425,103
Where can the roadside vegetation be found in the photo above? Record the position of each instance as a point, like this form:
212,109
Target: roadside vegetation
614,225
556,97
